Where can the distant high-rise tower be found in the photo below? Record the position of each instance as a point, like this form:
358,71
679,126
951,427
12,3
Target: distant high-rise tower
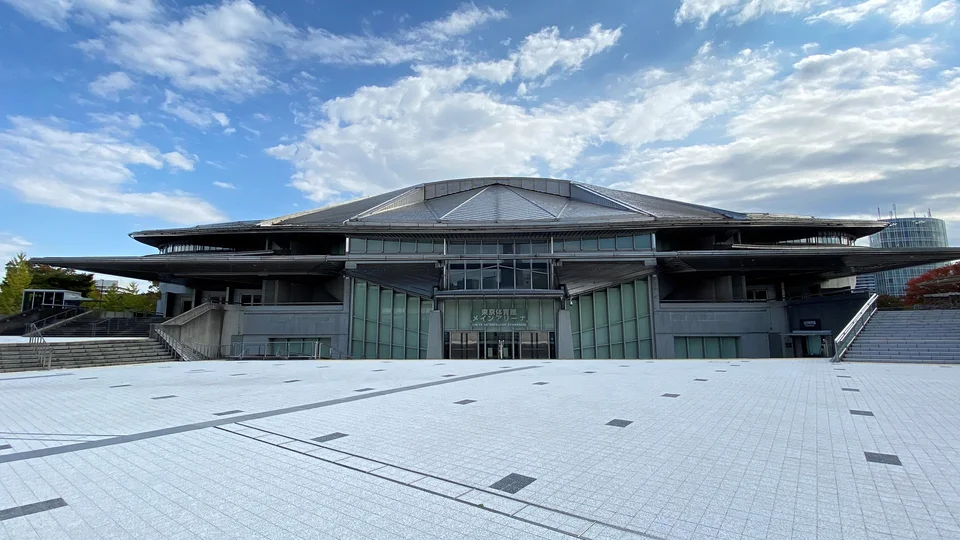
907,232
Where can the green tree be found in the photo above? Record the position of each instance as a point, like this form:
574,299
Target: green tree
48,277
16,280
128,298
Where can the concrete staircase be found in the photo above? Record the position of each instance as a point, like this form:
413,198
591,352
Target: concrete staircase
92,326
929,336
76,354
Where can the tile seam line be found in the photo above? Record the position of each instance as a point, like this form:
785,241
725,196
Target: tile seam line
398,482
68,448
428,475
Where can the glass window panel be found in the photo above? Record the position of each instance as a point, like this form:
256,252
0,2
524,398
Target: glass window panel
506,277
729,347
646,349
386,306
369,350
614,309
641,241
489,248
391,246
413,312
438,246
507,248
373,302
630,350
586,312
588,244
524,279
412,353
587,353
408,246
576,340
358,328
644,325
541,247
524,247
575,316
695,347
587,338
711,347
571,244
616,333
602,336
359,298
397,351
603,352
374,245
534,320
424,246
356,348
399,309
643,297
600,308
456,248
371,332
473,248
541,281
489,278
358,245
629,301
608,243
464,309
412,338
473,276
616,351
680,347
383,351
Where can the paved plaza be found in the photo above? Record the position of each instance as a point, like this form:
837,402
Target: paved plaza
476,449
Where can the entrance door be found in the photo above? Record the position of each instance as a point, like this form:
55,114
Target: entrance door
534,345
498,346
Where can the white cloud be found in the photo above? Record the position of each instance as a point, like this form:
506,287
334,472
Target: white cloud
90,171
55,13
191,113
10,245
118,121
224,185
542,51
110,85
426,42
842,133
899,12
213,48
435,125
262,117
179,160
739,11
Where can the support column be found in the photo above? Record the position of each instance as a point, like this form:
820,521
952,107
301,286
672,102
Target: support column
564,336
435,335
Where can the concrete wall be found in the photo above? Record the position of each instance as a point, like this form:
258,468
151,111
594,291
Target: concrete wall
834,312
259,323
752,322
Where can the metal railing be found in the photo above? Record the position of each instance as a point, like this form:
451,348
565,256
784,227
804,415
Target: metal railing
53,319
853,328
267,350
40,347
179,349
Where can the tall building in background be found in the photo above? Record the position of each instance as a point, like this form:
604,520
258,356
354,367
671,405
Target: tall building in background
909,232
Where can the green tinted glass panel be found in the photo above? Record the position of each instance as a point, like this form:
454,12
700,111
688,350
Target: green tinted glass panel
711,347
641,241
374,246
408,246
588,244
607,243
358,245
680,347
391,246
729,347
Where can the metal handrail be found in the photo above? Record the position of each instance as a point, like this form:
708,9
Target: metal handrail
179,349
266,349
40,347
853,328
56,317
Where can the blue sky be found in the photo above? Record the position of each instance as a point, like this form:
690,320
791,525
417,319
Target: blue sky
121,115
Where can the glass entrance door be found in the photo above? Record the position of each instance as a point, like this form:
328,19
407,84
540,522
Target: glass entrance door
469,345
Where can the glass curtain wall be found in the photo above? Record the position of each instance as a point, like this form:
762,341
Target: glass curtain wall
388,323
708,346
613,323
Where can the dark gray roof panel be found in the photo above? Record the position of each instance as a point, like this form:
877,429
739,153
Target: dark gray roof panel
666,208
545,185
441,206
335,214
498,203
553,204
583,210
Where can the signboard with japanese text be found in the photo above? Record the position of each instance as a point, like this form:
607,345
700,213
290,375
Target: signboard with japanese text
489,318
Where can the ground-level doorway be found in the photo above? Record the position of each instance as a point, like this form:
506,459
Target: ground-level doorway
474,344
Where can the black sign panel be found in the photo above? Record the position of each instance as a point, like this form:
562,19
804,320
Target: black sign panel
810,324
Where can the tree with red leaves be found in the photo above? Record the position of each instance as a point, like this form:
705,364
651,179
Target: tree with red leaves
945,279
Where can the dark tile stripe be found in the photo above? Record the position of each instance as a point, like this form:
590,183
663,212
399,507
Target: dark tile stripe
224,413
27,509
68,448
330,437
35,377
292,380
164,397
616,422
5,447
861,413
886,459
512,483
120,386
